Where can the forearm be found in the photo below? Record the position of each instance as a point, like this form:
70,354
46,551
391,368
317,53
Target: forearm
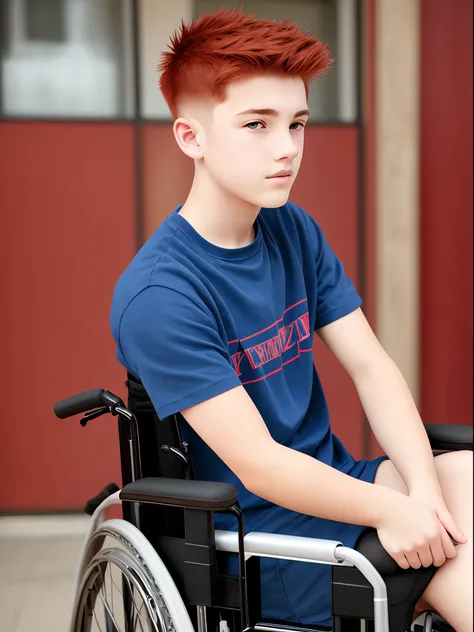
303,484
396,423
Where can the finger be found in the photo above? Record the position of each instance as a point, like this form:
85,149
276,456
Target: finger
448,547
401,560
413,559
437,551
451,527
426,556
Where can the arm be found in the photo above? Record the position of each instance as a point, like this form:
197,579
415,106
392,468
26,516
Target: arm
277,473
397,426
407,528
385,397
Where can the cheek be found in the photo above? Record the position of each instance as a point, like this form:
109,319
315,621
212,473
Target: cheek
239,154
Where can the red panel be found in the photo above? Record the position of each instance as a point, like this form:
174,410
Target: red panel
326,187
167,175
446,211
67,233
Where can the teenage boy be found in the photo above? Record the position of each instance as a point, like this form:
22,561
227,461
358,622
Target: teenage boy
216,314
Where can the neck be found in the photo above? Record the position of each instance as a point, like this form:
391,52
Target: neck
219,216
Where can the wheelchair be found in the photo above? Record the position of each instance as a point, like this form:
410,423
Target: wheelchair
161,568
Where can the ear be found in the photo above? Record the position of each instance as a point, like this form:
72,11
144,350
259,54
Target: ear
187,136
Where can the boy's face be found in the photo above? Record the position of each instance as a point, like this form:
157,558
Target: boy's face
242,151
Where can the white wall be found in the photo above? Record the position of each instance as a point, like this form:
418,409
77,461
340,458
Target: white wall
158,20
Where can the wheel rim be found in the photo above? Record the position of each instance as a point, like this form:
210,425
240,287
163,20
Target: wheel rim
118,597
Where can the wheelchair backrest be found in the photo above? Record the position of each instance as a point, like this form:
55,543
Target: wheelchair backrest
153,434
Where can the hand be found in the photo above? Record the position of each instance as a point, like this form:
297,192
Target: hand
434,498
414,535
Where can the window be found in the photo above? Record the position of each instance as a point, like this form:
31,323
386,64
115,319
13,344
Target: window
67,58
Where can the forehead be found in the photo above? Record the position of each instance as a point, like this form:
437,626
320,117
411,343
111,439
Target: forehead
284,94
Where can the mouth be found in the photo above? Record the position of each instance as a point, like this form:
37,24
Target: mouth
285,177
285,174
280,179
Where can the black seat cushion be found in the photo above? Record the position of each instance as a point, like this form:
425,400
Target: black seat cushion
450,436
402,584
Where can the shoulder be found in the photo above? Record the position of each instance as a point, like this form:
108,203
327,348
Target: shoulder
158,280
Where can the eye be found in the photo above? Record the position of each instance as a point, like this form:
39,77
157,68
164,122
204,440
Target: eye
302,126
253,123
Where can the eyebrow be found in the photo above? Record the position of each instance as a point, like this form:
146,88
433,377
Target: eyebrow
271,112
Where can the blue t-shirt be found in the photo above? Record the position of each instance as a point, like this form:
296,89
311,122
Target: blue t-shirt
192,320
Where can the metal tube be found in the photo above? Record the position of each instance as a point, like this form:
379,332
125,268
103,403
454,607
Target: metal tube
375,579
283,547
311,550
201,619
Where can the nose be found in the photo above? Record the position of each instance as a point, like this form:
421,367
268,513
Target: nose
286,148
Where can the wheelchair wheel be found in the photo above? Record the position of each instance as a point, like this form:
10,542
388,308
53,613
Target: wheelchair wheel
125,587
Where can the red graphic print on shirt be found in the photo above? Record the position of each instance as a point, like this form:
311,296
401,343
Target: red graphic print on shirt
266,352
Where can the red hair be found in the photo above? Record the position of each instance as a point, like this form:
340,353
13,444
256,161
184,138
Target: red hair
219,48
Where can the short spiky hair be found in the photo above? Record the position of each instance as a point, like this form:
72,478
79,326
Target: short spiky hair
219,48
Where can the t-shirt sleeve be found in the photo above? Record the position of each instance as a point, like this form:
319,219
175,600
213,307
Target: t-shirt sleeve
336,294
172,344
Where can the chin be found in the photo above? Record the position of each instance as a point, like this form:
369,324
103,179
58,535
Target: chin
275,200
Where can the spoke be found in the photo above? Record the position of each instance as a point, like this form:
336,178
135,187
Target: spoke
119,589
138,610
138,618
103,583
141,627
111,587
134,606
109,612
97,620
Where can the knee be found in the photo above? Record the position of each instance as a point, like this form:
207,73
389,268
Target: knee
457,466
464,464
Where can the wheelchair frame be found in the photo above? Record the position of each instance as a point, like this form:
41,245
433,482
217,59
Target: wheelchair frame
161,490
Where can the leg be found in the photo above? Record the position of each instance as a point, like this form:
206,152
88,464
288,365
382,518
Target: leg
450,591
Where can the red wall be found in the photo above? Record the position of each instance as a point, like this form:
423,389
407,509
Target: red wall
67,232
446,211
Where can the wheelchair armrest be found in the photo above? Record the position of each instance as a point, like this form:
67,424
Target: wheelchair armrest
449,436
176,492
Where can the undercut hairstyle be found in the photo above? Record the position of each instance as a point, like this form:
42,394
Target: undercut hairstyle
228,45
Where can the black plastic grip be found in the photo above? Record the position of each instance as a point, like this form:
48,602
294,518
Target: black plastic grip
80,403
93,503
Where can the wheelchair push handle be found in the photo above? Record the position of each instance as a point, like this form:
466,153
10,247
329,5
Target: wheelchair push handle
85,401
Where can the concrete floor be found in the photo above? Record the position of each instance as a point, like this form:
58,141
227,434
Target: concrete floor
38,557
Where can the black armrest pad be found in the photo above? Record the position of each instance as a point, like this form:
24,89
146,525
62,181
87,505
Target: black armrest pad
449,436
181,493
